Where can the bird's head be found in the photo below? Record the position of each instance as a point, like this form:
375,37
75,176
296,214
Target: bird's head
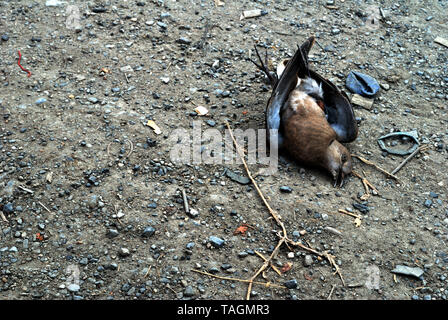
338,162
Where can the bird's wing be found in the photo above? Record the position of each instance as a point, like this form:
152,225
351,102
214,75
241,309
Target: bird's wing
338,109
282,89
337,106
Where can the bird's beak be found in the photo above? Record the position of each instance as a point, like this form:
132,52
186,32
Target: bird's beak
339,179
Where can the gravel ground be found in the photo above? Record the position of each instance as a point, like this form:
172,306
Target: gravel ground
93,203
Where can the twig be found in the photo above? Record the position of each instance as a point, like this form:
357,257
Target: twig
390,175
331,292
266,284
409,158
265,259
354,215
147,272
284,236
44,207
184,197
132,149
3,217
365,182
25,189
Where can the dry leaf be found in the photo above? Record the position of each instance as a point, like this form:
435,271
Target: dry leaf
154,126
241,229
307,277
286,267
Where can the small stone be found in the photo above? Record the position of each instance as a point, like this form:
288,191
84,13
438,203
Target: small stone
216,242
308,260
41,101
237,178
211,123
291,284
408,271
335,31
8,208
183,40
112,233
433,195
193,213
189,291
5,37
148,232
93,100
285,189
427,203
53,3
126,69
124,252
385,86
162,25
99,9
73,287
165,80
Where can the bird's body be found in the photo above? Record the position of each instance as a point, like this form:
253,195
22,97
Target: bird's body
309,117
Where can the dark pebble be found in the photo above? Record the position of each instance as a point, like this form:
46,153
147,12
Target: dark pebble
285,189
148,232
237,178
216,242
99,9
211,123
5,37
112,233
291,284
8,208
189,291
183,40
433,195
361,207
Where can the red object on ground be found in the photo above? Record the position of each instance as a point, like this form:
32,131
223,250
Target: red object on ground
18,63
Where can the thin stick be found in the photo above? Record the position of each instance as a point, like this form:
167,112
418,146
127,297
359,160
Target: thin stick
132,149
44,207
266,284
241,154
184,196
25,189
284,236
354,215
3,217
390,175
331,292
147,272
265,259
408,158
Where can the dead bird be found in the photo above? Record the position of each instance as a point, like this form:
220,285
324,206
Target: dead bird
308,116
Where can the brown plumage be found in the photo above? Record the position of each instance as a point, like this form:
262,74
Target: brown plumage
308,116
310,139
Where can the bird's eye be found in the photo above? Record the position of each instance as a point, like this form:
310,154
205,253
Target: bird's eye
344,157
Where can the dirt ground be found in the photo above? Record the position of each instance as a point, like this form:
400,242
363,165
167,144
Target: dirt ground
93,203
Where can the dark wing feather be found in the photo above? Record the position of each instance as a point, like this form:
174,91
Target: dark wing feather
282,89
